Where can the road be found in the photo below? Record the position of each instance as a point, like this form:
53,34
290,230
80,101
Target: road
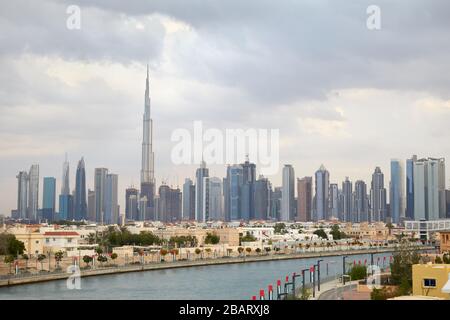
336,293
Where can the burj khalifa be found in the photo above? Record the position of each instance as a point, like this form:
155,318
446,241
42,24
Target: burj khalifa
147,168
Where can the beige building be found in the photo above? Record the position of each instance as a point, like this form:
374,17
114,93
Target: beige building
31,238
429,279
366,231
444,237
228,236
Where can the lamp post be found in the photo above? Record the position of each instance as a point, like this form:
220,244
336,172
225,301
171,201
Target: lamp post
343,268
318,274
303,279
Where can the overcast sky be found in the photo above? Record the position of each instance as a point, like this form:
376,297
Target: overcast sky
341,94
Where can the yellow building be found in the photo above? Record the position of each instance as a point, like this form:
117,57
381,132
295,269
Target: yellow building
429,279
31,238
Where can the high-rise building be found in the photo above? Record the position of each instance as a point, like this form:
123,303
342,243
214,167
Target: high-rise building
232,191
200,174
334,202
347,199
429,189
188,212
65,185
288,194
262,198
100,191
321,194
275,202
22,195
65,207
447,198
111,215
49,199
131,207
33,193
80,205
410,187
147,169
247,190
360,202
91,206
304,199
212,199
378,197
396,192
169,204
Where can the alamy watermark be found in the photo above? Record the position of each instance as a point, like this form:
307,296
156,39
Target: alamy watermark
373,21
228,146
73,21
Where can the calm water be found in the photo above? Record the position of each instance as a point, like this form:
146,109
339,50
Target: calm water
232,281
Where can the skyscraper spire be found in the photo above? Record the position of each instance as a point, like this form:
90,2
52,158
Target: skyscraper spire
147,173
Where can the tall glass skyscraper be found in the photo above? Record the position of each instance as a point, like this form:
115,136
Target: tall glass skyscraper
304,199
80,192
33,192
322,191
200,174
288,194
111,199
22,195
396,192
49,199
410,187
188,212
377,197
100,191
232,185
347,200
360,202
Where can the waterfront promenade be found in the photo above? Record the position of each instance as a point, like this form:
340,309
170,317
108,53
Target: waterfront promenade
42,277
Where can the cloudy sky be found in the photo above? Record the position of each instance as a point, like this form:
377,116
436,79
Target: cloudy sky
341,94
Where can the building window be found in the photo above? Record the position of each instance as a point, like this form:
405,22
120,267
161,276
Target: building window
37,241
429,283
69,240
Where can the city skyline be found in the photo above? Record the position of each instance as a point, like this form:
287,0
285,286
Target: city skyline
352,107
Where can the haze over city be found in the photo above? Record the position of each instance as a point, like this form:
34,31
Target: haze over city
341,95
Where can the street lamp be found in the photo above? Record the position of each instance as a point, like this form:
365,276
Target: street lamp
318,274
303,279
343,268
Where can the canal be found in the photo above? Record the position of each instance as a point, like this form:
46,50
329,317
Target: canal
228,282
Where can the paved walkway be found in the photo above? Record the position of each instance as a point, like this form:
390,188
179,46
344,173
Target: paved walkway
334,290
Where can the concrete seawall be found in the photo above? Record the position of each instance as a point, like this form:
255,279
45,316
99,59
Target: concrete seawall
187,264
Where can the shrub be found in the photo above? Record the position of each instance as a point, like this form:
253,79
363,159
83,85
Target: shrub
358,272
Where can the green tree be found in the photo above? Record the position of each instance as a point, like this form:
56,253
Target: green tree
305,294
247,238
212,238
102,258
41,258
9,259
26,258
280,228
381,294
87,260
358,272
198,251
58,257
9,245
258,250
248,249
336,233
321,233
113,256
401,267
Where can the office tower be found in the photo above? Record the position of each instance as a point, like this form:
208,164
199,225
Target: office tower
188,212
33,192
288,194
22,195
133,207
247,190
65,185
99,188
347,201
169,204
65,207
360,202
80,203
142,209
91,206
212,199
334,202
49,199
201,173
111,199
447,198
378,197
130,213
275,201
304,199
429,189
147,170
410,187
396,192
232,186
321,194
262,199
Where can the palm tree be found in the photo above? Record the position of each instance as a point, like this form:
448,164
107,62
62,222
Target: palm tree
41,258
58,257
198,251
25,257
113,256
248,249
208,251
